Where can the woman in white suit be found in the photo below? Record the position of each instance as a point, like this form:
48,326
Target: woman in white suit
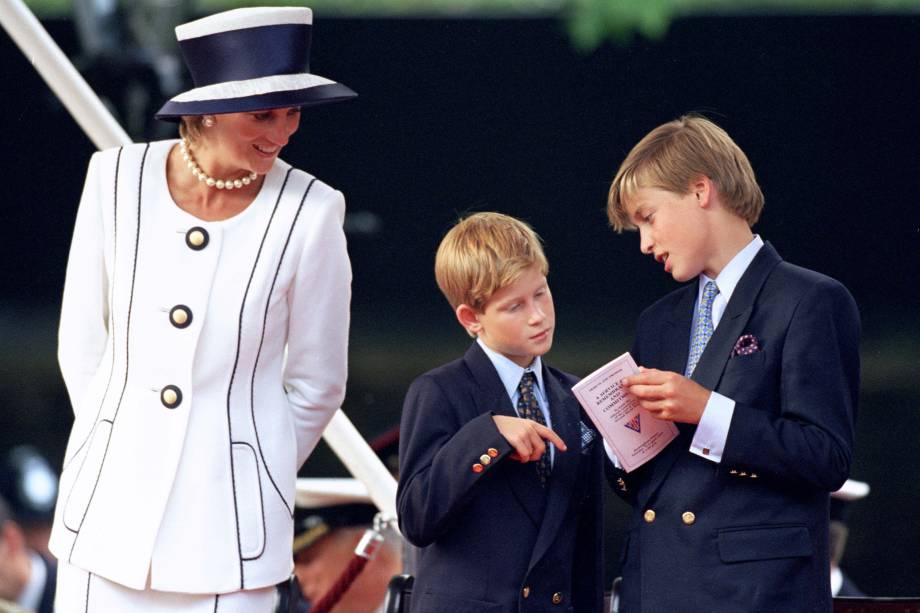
203,335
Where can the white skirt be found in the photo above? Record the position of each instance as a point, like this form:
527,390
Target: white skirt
81,592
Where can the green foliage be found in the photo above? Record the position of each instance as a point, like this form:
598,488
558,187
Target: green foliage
590,22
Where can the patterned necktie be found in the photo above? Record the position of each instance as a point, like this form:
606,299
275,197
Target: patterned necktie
528,408
703,330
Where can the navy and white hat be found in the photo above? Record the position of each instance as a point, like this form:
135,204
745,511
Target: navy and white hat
250,59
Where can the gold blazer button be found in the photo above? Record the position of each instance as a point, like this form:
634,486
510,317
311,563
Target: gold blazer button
648,516
688,517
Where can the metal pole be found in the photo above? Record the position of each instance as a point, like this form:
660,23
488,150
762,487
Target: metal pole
60,75
362,462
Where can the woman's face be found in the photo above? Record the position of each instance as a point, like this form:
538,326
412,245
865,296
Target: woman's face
251,140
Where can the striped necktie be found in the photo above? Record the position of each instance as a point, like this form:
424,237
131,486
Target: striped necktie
704,328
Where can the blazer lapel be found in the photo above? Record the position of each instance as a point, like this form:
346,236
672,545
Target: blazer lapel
675,339
492,397
565,414
712,363
675,349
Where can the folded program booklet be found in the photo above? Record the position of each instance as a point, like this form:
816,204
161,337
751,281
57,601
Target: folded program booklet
634,434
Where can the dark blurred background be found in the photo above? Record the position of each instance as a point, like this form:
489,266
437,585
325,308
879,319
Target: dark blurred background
509,114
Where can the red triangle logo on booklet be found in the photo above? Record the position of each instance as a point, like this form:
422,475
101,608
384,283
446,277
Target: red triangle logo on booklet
633,424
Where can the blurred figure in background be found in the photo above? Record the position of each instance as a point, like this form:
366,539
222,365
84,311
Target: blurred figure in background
324,544
841,585
130,57
29,486
325,537
26,578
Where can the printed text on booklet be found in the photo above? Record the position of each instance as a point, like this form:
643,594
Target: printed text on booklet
632,432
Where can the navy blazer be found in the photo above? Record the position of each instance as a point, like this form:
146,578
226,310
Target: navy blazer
494,540
748,534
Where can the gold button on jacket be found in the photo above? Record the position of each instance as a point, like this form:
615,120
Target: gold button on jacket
649,516
526,591
688,517
557,598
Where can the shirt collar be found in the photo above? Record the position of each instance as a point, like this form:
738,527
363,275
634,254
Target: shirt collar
728,279
509,372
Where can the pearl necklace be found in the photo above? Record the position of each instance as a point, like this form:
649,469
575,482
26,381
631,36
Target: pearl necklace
209,180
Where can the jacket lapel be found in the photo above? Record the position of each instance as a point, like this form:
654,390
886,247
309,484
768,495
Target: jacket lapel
565,414
675,346
712,363
675,349
492,397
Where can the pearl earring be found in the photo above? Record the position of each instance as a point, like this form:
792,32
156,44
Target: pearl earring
208,121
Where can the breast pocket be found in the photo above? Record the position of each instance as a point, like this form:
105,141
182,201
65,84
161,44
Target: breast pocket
742,363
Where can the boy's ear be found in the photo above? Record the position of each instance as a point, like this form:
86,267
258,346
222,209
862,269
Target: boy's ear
469,319
702,188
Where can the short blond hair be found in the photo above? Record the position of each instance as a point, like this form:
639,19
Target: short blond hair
191,127
483,253
675,154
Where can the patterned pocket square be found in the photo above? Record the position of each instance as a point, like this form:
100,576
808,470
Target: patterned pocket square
587,436
746,345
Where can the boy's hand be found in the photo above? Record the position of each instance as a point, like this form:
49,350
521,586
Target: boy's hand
668,395
527,437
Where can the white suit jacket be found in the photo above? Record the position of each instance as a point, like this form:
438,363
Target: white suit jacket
190,424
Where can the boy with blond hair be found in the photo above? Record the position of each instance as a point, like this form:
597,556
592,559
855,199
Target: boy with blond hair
757,362
500,478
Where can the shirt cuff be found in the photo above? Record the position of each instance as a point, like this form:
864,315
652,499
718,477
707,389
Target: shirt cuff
712,431
612,456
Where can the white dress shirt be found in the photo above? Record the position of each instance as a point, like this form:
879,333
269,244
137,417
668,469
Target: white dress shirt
712,431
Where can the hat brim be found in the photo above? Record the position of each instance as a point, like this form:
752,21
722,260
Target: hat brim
173,110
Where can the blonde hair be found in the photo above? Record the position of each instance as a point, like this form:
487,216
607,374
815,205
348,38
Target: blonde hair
675,154
483,253
190,127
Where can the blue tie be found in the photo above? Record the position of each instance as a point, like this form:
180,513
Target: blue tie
703,330
529,408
